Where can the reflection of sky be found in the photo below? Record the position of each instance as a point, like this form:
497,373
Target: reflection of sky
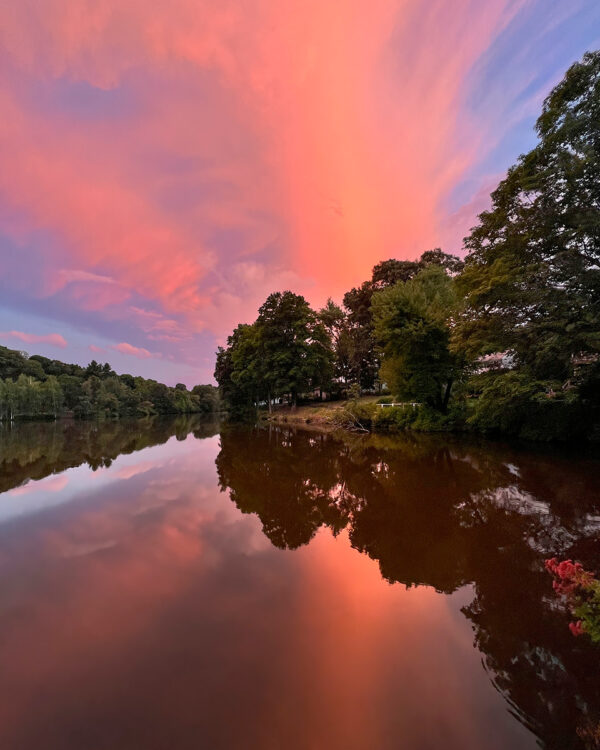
81,481
149,612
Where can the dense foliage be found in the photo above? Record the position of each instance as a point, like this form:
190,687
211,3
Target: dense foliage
411,325
34,387
292,350
580,591
532,276
506,341
286,351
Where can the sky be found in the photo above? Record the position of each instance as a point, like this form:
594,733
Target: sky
165,166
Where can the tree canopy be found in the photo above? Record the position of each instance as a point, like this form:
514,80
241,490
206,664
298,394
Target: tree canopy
532,274
286,351
411,324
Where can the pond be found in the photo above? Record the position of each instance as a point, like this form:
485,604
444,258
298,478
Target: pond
176,584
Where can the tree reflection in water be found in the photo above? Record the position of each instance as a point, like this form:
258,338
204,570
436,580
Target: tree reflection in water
431,510
444,514
33,450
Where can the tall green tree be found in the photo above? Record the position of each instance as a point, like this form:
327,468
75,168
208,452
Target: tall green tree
238,371
437,257
358,344
335,322
412,327
287,350
532,276
295,350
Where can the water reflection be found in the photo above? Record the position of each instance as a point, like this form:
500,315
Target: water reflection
446,514
140,608
33,450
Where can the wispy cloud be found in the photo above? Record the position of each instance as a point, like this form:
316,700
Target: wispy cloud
70,276
54,339
178,162
135,351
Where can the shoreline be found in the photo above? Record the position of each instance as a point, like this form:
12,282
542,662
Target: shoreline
324,414
364,417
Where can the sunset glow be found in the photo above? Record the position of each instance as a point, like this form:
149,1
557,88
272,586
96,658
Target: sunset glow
166,166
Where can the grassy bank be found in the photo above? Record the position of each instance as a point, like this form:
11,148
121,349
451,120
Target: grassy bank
327,414
540,419
365,414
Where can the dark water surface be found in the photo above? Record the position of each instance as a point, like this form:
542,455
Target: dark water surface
164,586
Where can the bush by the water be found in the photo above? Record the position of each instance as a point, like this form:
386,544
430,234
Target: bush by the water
514,404
417,417
395,418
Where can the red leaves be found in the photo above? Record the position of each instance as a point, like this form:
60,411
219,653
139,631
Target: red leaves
570,581
576,628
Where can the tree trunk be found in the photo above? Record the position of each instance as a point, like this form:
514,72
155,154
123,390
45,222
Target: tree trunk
447,395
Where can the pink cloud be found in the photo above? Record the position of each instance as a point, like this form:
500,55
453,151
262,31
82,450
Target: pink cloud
318,138
135,351
242,289
70,276
94,297
96,349
54,339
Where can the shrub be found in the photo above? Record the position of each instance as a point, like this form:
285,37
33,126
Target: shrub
394,418
457,414
502,404
550,419
580,591
431,420
420,418
514,404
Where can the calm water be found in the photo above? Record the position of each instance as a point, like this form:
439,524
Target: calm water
166,586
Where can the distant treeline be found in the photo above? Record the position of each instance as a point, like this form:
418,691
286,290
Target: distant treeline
506,341
38,387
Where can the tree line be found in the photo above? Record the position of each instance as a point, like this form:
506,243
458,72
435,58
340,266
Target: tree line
38,387
527,292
